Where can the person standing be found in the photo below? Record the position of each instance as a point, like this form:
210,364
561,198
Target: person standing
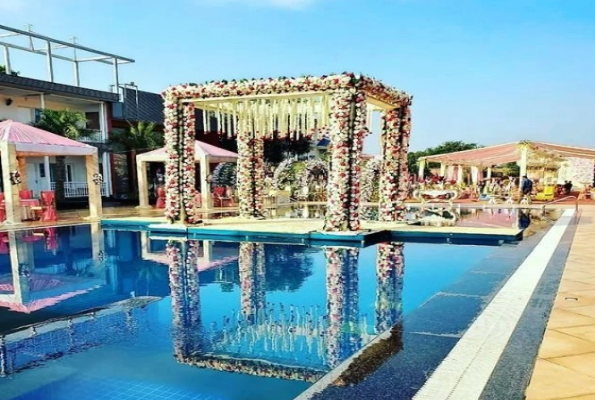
526,187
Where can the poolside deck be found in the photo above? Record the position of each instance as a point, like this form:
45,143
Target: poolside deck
565,365
312,230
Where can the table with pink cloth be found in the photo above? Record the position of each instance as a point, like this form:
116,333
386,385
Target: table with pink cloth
26,204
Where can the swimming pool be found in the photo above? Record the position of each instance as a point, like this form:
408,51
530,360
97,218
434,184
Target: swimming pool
120,314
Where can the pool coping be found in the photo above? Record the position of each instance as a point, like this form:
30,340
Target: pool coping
319,390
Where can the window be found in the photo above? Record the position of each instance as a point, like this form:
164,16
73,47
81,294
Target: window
68,175
42,170
92,120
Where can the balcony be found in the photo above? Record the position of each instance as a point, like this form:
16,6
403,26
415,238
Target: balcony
93,136
79,189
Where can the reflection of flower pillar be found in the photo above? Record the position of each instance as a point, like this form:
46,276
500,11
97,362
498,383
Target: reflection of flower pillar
390,263
251,267
347,131
394,175
342,303
185,295
250,172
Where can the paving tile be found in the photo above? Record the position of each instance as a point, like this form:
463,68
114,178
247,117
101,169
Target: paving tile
567,286
587,311
586,332
564,319
584,397
583,363
558,344
553,381
576,298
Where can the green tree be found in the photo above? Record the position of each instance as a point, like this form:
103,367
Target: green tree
3,71
138,138
70,124
446,147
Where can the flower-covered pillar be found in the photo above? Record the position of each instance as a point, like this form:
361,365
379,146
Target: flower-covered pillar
180,185
394,175
251,264
185,295
347,132
342,304
250,172
390,264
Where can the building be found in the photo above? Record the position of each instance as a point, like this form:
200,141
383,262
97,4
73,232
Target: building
23,98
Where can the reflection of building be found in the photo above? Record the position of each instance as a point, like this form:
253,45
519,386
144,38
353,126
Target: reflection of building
280,340
29,288
46,341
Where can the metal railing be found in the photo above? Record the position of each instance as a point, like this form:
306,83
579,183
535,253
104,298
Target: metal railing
95,136
78,189
558,200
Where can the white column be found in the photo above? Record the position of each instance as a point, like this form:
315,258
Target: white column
95,206
107,176
523,160
7,60
11,192
47,179
42,101
143,190
442,169
489,173
421,165
474,175
205,190
460,174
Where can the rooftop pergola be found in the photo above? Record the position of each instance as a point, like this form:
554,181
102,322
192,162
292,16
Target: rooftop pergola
520,152
18,140
340,106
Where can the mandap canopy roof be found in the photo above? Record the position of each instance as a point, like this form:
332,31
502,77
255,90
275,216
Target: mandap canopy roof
34,141
283,105
509,152
201,149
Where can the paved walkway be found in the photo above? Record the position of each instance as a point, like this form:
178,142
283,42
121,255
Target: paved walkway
565,366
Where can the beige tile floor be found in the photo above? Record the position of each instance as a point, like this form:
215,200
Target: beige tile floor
565,365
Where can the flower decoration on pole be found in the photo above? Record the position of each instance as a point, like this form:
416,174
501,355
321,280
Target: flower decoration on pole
15,177
253,110
97,179
394,176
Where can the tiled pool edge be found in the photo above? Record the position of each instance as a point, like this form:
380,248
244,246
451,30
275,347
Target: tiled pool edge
466,370
513,371
425,350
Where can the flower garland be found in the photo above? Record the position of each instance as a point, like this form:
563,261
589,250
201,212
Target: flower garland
314,167
394,176
250,173
389,274
173,151
281,174
189,164
347,132
225,174
252,119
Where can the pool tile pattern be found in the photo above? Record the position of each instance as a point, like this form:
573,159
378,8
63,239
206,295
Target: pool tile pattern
565,365
87,388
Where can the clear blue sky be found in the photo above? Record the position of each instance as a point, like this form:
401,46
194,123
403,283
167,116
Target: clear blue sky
486,71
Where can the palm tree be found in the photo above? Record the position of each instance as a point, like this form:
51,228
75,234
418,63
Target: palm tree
139,138
70,124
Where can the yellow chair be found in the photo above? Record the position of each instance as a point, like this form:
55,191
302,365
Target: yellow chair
547,194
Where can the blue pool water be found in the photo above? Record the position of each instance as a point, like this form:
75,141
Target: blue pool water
121,315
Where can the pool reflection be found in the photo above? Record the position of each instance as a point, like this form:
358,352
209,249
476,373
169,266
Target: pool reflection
287,341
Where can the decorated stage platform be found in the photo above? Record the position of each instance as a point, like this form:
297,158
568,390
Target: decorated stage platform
309,231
